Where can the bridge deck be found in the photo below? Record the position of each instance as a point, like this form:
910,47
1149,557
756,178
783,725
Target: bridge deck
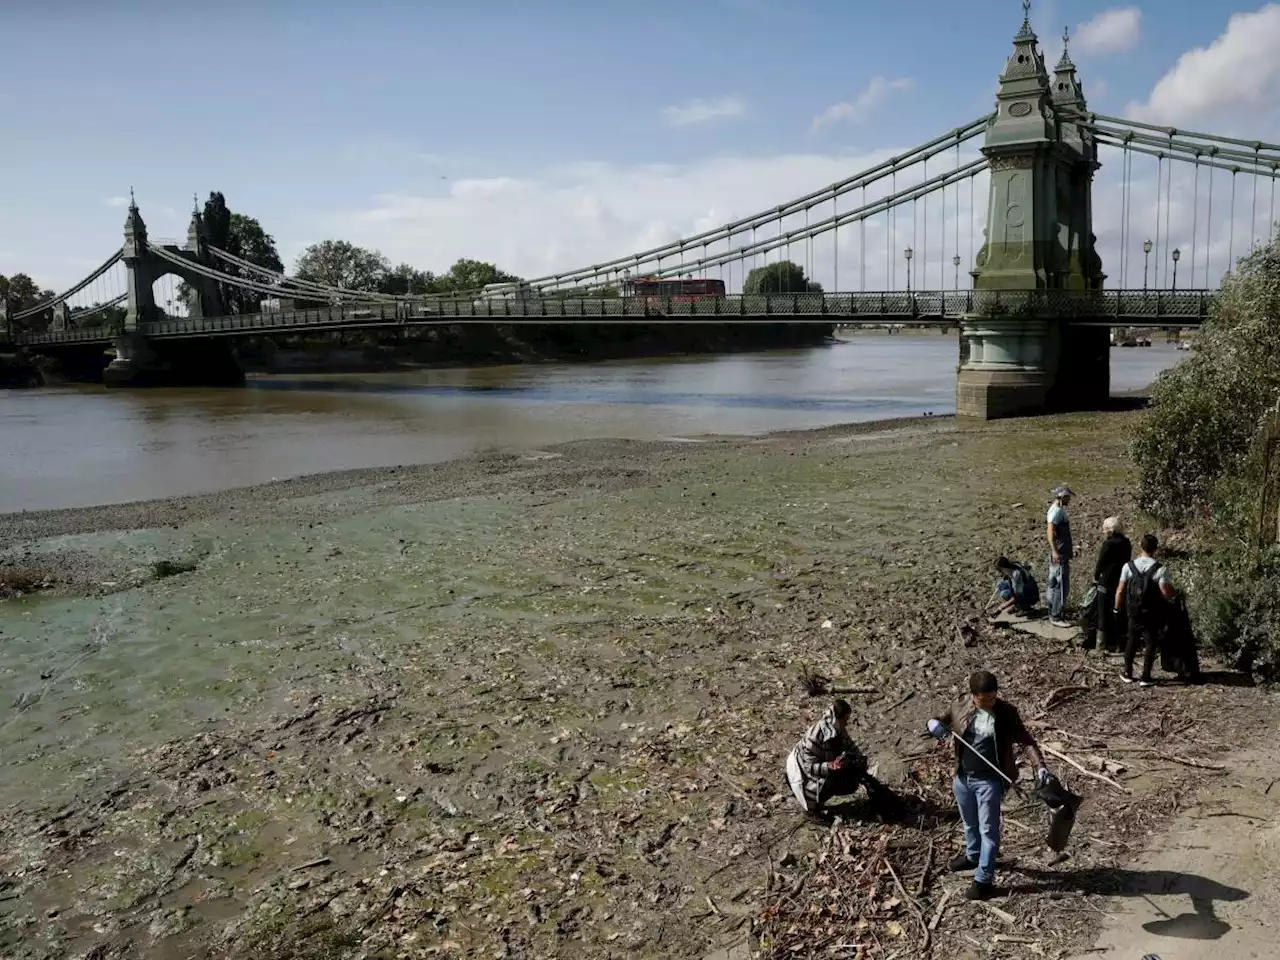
1110,308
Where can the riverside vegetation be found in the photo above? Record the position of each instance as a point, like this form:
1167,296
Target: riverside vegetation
1209,460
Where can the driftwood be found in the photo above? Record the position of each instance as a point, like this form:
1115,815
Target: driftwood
1063,694
914,904
940,910
1085,770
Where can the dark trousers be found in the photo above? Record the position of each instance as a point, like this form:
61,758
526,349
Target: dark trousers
839,783
1147,637
1105,623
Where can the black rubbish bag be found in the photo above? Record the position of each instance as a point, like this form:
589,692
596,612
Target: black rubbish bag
1062,804
1178,652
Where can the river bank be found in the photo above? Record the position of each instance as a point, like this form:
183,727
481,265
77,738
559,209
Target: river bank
535,703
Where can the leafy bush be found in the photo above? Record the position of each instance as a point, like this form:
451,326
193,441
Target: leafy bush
1207,411
1200,457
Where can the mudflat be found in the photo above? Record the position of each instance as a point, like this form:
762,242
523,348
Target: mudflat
538,705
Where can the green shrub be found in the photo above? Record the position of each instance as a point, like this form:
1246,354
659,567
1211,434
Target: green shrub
1199,455
1206,412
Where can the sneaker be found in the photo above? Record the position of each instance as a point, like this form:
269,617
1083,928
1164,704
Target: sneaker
980,891
1126,678
1058,622
1146,682
962,863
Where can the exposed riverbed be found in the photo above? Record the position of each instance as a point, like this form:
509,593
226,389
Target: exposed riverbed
521,704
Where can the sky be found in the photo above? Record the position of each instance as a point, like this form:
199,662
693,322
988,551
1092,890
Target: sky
546,136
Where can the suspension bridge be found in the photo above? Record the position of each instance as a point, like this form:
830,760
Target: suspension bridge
1033,310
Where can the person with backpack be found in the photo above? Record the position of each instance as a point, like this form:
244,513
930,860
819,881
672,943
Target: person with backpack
1015,590
1145,591
1058,532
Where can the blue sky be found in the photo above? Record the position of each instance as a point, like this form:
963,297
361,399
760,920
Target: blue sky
534,134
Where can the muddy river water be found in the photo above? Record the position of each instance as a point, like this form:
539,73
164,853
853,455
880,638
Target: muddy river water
79,446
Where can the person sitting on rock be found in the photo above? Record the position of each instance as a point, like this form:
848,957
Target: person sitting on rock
1016,590
826,763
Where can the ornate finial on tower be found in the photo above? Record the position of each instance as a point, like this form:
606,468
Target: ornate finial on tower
133,205
195,203
1064,62
1026,31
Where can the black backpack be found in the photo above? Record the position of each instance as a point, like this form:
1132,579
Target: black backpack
1147,606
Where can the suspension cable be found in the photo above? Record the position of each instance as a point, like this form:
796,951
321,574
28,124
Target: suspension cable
1124,213
71,291
1186,149
862,244
1159,184
1092,118
1231,244
835,213
924,246
1253,210
894,245
1208,230
1168,235
303,285
1195,219
884,204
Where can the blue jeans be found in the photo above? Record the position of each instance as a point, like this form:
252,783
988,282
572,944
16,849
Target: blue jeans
1059,587
979,802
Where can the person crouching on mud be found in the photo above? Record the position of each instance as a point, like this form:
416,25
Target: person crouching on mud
826,763
991,727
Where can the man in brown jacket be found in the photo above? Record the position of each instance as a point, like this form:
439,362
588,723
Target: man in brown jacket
985,766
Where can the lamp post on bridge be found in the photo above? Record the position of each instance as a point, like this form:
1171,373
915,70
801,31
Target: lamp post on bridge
1177,255
1146,261
955,262
907,253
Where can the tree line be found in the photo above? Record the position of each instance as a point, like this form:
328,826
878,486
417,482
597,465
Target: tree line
338,263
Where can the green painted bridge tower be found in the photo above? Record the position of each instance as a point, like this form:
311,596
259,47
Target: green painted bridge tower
1038,237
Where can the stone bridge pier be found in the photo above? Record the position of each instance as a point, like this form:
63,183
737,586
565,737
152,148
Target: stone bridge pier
1038,236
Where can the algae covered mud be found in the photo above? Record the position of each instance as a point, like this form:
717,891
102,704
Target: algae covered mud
81,446
515,705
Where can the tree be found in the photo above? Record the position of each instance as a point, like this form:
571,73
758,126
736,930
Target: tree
407,281
22,292
468,275
1207,460
241,236
781,277
336,263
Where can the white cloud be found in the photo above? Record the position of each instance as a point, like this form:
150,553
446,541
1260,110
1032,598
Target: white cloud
1097,89
703,111
1234,81
116,201
1112,31
571,216
864,104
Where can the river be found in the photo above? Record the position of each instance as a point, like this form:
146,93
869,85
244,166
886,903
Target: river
80,446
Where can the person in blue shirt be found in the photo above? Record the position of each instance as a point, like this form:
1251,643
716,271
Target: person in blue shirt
1058,531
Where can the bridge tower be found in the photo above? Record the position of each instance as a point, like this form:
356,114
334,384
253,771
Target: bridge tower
144,268
1038,236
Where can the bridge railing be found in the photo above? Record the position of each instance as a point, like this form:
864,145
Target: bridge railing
1113,307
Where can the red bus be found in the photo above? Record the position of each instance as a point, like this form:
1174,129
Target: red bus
679,290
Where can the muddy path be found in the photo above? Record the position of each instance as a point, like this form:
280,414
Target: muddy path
512,706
